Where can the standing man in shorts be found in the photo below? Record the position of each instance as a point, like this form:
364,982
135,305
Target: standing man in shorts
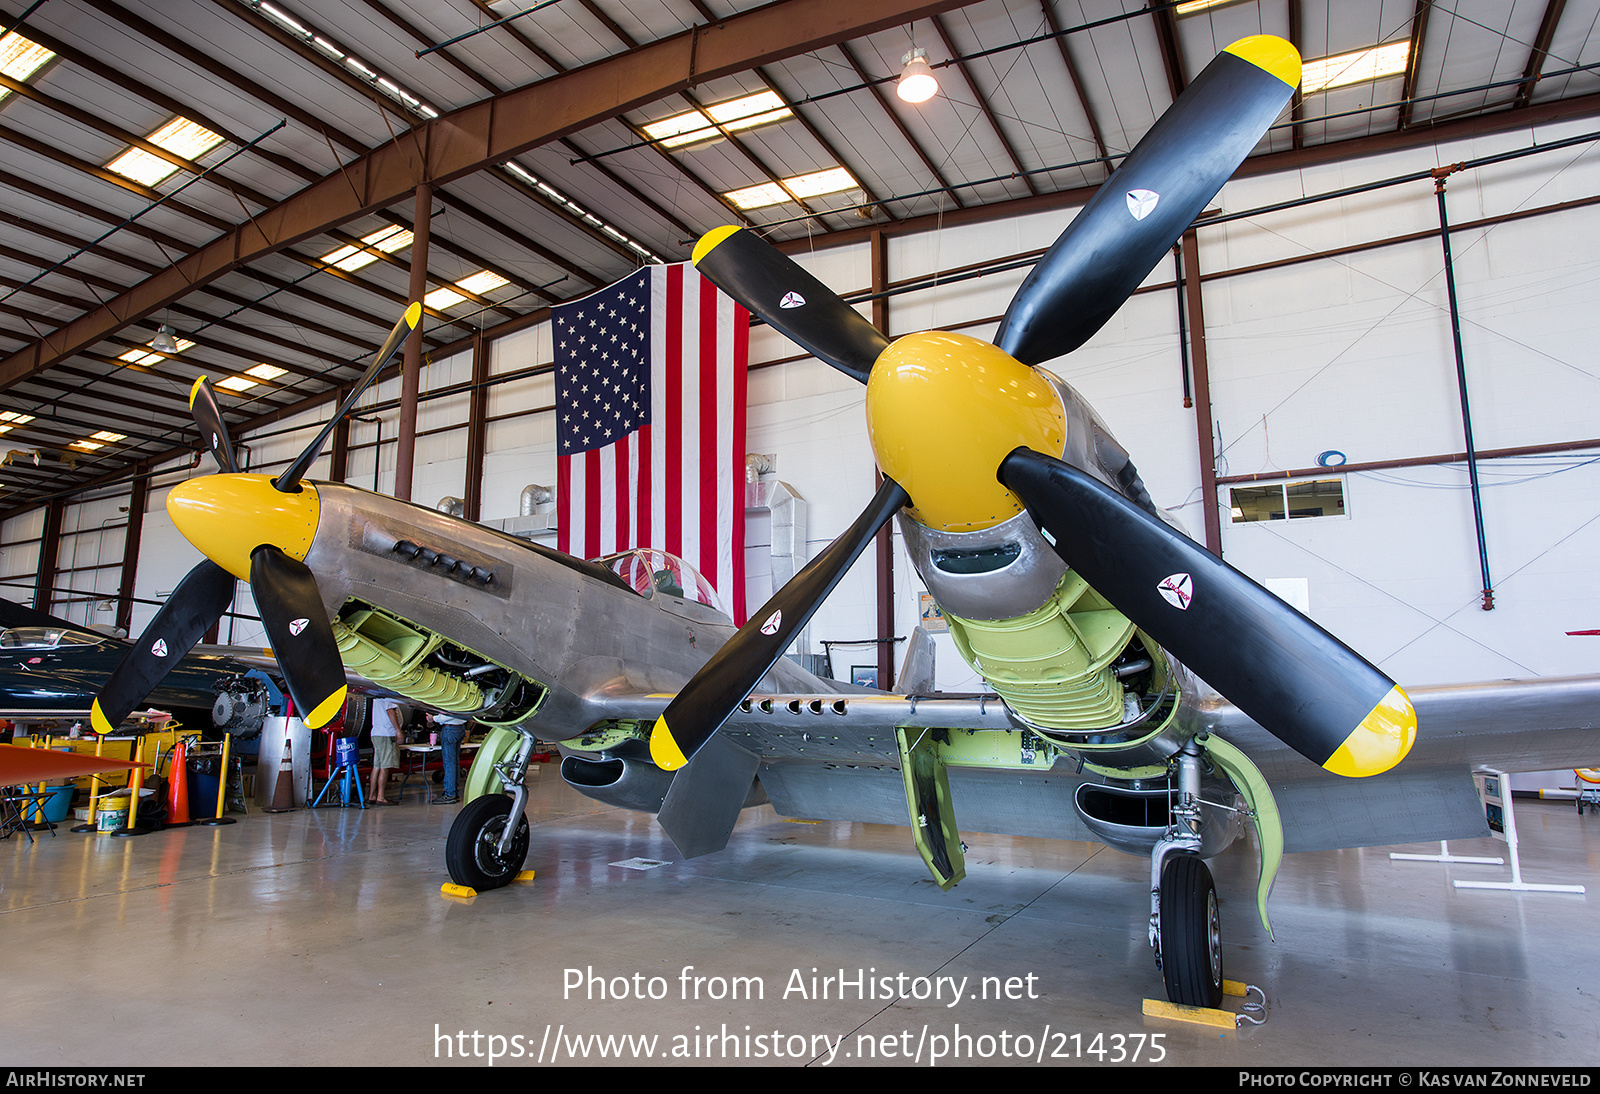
388,718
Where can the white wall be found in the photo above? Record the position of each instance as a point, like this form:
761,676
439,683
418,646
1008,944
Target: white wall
1351,353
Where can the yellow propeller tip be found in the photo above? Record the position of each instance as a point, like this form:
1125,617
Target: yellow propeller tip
326,709
194,391
664,749
97,720
709,241
414,314
1382,739
1271,54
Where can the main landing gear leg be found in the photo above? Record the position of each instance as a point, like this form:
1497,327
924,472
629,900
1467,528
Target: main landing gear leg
1184,927
488,842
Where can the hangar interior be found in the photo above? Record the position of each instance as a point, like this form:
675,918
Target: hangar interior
1288,386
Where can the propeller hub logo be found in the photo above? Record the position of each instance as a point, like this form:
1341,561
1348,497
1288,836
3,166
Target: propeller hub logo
297,625
159,648
1141,203
1178,590
771,625
792,300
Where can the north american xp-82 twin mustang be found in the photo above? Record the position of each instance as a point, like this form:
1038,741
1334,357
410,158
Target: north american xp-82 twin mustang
1092,618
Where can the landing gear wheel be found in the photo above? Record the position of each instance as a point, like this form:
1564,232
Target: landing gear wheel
471,852
1191,935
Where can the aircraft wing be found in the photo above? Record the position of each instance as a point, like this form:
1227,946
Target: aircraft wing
832,756
1540,724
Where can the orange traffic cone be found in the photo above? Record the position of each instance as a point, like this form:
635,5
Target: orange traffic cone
178,786
283,791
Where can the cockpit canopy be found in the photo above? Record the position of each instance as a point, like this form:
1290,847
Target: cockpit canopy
648,571
45,638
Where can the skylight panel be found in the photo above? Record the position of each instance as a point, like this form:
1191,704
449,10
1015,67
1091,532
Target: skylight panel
145,357
20,58
283,19
388,239
252,377
479,283
10,419
694,126
482,282
759,197
681,129
561,202
1361,66
98,440
1190,7
329,48
442,298
349,259
180,136
832,181
761,103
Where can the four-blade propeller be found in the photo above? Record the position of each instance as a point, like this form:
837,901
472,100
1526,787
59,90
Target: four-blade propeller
1291,676
1001,457
253,529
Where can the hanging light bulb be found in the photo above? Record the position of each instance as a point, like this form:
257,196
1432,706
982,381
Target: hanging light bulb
163,341
917,83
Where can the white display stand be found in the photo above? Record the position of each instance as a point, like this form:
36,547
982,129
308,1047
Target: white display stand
1444,855
1495,793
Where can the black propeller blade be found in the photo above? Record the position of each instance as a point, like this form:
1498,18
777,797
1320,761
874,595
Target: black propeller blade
699,710
302,638
285,589
773,286
1298,681
289,480
198,602
1142,210
213,430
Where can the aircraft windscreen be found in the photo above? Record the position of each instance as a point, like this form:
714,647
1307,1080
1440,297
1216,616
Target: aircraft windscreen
44,638
647,572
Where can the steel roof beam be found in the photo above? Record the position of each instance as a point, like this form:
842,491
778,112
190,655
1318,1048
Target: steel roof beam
1419,35
899,123
1540,50
983,104
487,132
1072,71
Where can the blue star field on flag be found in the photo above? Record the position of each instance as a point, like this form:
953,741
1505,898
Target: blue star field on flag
602,354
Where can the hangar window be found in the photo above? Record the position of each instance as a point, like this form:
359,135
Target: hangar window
1288,500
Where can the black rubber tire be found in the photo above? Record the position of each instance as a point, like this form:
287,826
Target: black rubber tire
1191,936
469,850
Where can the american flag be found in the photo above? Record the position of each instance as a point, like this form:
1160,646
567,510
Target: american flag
650,402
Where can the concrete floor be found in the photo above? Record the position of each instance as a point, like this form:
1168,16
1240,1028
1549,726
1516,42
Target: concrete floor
322,938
